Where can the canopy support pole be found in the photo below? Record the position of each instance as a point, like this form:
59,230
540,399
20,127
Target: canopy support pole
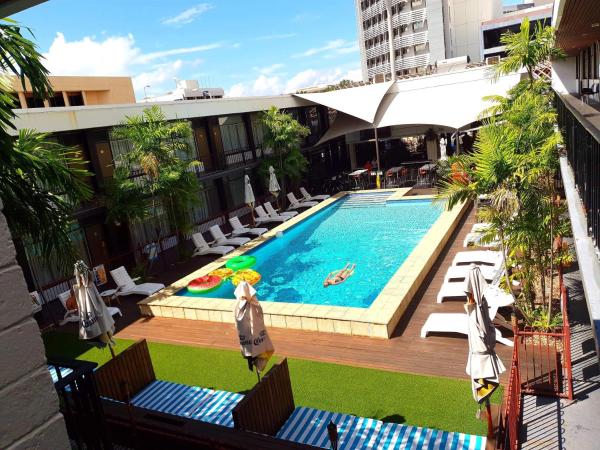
377,182
458,141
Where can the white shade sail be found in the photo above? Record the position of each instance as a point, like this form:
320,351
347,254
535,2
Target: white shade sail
361,102
452,103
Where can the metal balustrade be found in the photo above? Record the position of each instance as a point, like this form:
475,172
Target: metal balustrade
411,62
377,50
583,153
406,18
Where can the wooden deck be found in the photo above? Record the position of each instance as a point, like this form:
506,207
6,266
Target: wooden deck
406,351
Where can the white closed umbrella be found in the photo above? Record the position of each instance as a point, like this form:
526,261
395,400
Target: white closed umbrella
95,322
483,365
443,152
273,183
255,343
249,195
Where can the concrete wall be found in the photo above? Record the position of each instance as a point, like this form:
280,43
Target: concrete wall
29,416
97,90
463,24
564,78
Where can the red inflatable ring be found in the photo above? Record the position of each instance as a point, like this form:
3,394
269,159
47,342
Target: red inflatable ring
204,284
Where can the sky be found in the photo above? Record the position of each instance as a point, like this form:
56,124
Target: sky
247,47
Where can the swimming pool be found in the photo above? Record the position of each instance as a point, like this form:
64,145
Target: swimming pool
365,229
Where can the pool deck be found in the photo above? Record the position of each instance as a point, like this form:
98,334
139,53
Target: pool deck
378,320
405,351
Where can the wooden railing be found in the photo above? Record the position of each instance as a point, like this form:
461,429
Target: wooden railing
127,373
274,390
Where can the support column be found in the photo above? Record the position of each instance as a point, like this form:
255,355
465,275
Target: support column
352,154
390,28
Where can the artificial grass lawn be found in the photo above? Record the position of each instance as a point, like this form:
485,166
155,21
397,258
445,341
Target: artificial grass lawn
436,402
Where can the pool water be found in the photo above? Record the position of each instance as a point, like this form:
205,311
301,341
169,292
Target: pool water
359,228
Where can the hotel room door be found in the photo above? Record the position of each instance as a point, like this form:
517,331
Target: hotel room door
203,148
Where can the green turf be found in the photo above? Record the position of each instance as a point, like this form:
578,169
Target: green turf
436,402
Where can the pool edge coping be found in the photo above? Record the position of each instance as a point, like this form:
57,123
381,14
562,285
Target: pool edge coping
378,320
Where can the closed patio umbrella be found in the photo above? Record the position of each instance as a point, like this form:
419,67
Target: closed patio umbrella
95,322
273,184
483,365
249,195
255,343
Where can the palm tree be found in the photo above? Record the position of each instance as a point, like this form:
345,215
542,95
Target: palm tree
41,181
528,49
282,134
160,150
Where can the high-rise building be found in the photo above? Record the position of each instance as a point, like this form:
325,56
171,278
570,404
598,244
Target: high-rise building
400,37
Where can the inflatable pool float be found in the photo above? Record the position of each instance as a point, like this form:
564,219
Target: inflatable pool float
223,273
240,262
249,275
204,284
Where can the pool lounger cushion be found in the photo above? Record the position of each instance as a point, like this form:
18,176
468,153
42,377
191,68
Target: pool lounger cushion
191,402
309,426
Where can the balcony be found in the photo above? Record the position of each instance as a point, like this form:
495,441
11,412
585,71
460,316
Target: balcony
409,40
381,68
376,30
409,17
373,10
377,50
411,62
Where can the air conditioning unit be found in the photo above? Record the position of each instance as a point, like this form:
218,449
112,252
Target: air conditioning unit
452,64
492,60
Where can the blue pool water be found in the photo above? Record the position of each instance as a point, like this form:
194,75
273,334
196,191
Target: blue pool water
376,235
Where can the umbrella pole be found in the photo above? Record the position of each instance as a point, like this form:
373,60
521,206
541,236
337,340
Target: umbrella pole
257,374
488,410
112,351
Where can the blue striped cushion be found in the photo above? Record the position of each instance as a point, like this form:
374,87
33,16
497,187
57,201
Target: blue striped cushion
309,426
64,371
188,401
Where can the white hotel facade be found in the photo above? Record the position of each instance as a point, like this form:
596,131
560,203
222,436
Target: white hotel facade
399,37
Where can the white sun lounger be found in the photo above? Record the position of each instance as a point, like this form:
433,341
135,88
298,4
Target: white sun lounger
72,315
238,228
295,203
457,289
454,323
126,285
460,273
202,247
480,257
273,212
221,239
310,198
263,217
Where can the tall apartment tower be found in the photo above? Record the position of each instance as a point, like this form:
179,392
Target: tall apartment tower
399,37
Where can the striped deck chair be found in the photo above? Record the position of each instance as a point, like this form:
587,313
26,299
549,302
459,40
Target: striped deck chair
309,426
191,402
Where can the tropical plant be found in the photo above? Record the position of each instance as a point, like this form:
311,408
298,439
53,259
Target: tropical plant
528,48
514,164
156,178
41,181
282,135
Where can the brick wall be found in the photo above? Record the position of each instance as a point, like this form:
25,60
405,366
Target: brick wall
29,416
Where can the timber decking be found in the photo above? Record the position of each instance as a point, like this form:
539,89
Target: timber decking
405,351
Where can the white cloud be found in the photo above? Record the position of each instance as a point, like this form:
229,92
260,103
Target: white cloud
267,70
275,85
189,15
148,57
331,48
272,37
157,77
118,55
112,56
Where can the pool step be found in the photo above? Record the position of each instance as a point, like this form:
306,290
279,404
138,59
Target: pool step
362,200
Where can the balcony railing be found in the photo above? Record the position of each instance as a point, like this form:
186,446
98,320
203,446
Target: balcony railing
381,68
583,153
406,18
376,30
